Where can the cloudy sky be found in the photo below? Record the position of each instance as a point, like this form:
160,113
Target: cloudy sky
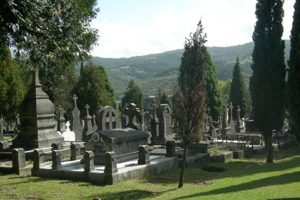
138,27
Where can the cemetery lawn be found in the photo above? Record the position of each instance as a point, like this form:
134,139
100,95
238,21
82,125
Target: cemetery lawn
242,179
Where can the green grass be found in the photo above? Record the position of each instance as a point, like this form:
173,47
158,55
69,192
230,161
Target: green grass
242,179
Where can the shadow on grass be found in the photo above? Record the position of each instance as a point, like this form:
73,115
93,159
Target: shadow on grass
130,194
270,181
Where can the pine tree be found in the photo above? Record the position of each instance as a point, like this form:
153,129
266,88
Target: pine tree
11,86
267,84
294,73
164,99
214,101
133,94
189,98
238,91
94,88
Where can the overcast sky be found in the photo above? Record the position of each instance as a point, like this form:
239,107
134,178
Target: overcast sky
139,27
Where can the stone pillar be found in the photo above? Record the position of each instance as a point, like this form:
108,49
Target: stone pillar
144,153
238,119
88,161
36,159
73,151
110,167
18,160
56,159
170,149
1,129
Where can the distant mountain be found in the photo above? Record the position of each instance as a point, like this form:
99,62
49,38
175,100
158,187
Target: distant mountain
160,70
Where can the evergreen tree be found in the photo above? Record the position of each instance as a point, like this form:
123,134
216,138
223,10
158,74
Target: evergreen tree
189,98
51,35
267,83
133,94
164,99
238,91
214,101
94,88
294,73
11,86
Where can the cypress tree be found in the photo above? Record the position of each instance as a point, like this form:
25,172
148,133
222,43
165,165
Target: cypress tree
133,94
294,73
94,88
238,91
267,83
189,98
213,95
11,86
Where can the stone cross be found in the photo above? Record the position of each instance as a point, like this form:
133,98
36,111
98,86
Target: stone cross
87,107
75,120
75,100
154,108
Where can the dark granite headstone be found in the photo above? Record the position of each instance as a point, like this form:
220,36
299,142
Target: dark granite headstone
170,149
1,129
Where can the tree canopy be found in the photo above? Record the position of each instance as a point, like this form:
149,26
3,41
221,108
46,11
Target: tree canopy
11,86
94,88
294,73
238,91
133,94
51,35
213,100
189,98
267,84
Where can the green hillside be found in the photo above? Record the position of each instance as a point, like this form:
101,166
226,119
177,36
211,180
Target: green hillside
160,70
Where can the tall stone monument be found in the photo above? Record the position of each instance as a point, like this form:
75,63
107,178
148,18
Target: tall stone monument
37,112
76,121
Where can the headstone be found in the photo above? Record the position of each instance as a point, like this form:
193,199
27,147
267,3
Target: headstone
74,150
154,123
144,154
69,136
170,149
75,120
225,128
88,161
165,120
37,112
61,122
230,113
88,128
18,159
238,119
107,118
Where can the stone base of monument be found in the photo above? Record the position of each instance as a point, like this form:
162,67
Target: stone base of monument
222,157
75,170
238,154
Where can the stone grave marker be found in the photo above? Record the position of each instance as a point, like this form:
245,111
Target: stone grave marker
75,120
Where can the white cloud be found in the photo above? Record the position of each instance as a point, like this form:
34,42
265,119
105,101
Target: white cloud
226,22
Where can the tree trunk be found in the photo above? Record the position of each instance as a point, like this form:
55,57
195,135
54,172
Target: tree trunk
268,146
181,178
